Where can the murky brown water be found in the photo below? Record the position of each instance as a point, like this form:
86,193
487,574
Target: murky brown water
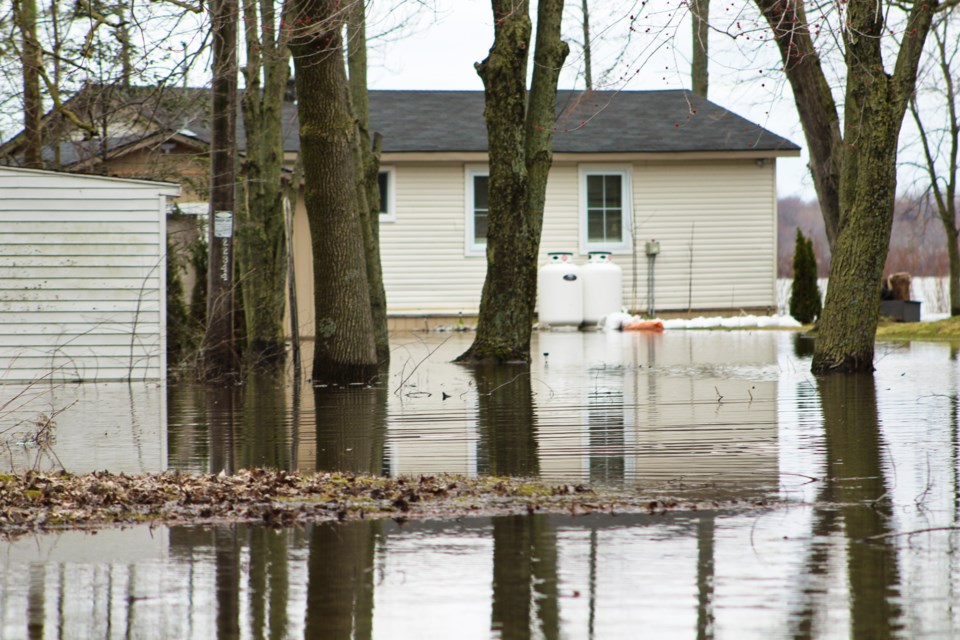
862,462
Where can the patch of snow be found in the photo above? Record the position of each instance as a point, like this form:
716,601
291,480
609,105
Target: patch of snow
616,322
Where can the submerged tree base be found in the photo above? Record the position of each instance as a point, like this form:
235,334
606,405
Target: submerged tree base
37,502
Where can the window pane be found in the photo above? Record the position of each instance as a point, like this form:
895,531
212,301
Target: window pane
595,232
480,228
594,192
614,226
612,191
481,186
383,181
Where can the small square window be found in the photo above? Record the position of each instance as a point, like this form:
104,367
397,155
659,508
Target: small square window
605,210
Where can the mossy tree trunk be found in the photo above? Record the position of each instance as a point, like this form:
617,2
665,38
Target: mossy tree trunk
855,174
520,136
345,349
368,186
261,246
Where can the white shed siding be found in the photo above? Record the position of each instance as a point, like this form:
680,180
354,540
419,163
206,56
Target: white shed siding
82,277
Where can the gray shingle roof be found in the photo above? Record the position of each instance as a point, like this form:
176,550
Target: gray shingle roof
596,122
452,121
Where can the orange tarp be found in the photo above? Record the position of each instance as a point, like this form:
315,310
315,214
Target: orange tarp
644,325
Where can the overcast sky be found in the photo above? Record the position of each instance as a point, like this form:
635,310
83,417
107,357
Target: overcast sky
438,49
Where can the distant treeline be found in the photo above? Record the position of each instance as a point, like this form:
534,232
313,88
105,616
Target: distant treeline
917,242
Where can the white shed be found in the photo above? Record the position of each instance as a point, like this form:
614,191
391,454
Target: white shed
82,277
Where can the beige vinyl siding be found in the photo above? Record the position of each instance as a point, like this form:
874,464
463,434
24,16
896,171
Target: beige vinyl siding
425,269
82,277
729,205
722,212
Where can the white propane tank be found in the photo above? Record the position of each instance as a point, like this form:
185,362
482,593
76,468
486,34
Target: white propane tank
560,291
602,287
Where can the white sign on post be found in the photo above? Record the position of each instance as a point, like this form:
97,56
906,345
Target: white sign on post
223,224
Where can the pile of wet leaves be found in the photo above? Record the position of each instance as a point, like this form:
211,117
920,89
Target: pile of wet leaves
38,501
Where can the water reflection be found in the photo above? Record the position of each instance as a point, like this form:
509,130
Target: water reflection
525,578
83,427
350,427
856,481
506,421
339,600
868,547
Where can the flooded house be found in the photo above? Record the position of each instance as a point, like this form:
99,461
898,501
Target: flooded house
632,170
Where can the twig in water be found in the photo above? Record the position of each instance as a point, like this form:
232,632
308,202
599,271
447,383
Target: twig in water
719,395
899,534
412,371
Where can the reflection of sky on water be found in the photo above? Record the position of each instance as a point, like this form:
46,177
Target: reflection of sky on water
860,463
676,576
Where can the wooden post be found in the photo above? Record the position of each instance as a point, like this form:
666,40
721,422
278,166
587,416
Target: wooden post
220,356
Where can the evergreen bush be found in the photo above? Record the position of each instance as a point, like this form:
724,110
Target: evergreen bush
805,304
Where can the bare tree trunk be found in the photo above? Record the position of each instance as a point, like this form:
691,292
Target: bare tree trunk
520,136
815,104
587,54
855,175
368,168
25,17
345,349
699,69
261,249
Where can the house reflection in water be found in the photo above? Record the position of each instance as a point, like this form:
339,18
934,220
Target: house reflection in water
597,407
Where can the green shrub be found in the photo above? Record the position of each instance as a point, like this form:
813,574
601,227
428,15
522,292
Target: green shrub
805,304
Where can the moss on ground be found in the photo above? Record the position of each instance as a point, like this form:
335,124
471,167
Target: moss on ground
947,330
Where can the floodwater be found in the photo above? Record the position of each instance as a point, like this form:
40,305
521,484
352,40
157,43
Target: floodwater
866,468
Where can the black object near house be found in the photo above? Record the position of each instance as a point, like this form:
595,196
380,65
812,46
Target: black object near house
895,302
901,310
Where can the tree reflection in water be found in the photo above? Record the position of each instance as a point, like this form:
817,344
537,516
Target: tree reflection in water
506,421
855,501
351,428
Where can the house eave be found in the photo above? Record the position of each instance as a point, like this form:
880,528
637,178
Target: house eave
568,157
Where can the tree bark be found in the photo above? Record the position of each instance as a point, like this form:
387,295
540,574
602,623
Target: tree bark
855,174
345,350
520,136
699,67
261,250
368,171
587,52
25,17
815,104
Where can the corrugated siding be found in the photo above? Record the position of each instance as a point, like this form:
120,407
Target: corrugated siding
82,278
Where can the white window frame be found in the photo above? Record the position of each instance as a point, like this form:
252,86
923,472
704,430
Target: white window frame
471,246
626,184
391,214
